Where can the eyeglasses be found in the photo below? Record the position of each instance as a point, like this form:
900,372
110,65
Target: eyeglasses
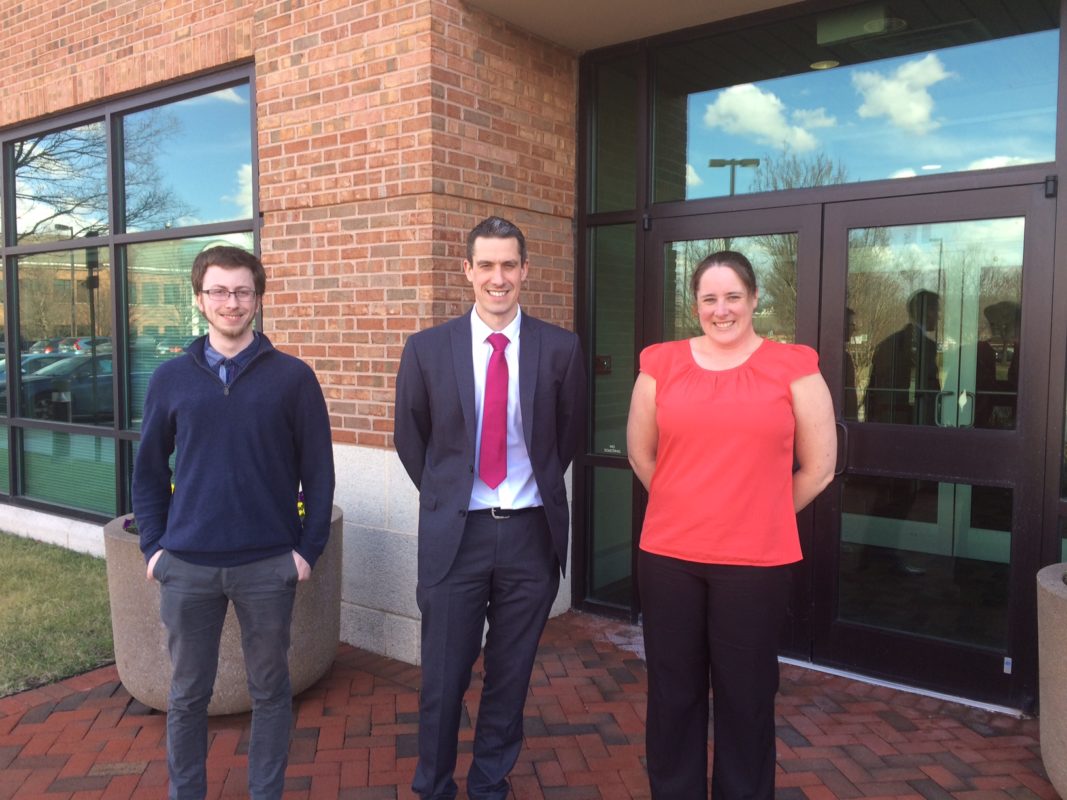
221,295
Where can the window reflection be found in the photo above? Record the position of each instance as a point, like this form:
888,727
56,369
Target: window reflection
612,254
611,539
61,184
932,318
163,318
926,558
899,100
5,464
176,175
69,470
65,328
614,170
184,161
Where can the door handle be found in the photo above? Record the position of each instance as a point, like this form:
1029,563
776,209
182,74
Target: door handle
842,448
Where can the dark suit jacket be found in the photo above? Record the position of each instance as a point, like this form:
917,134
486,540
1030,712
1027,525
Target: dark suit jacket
436,428
904,364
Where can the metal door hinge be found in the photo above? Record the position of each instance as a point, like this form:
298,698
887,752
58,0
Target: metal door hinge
1050,186
646,222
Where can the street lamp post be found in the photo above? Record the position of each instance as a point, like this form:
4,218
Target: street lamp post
92,281
69,230
733,164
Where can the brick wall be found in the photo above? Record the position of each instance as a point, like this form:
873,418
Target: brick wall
386,129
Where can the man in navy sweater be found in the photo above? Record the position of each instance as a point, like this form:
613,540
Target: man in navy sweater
248,427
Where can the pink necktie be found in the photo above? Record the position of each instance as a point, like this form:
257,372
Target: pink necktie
493,464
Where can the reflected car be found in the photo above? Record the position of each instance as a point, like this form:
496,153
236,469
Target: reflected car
29,363
45,345
173,345
83,345
74,389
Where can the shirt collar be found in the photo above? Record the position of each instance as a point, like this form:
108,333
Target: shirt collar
214,357
480,331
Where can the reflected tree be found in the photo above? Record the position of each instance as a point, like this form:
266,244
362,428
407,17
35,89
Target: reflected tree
40,296
778,290
790,171
62,176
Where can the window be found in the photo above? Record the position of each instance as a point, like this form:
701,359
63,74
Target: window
865,92
79,238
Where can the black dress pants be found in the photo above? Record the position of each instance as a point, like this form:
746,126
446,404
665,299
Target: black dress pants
711,625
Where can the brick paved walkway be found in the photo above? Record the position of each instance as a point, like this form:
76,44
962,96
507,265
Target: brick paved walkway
355,735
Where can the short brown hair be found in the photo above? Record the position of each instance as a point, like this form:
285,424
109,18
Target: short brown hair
228,257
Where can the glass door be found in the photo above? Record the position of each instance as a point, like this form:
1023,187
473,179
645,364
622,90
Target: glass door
929,538
783,246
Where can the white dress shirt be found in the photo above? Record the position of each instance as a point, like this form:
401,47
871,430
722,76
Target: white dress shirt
518,489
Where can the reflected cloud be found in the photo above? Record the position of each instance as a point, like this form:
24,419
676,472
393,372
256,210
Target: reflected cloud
901,96
747,110
242,197
237,96
993,162
691,177
813,118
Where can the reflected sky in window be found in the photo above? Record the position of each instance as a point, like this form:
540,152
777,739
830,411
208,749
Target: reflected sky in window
978,106
201,149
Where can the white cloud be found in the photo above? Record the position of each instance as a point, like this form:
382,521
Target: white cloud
902,96
224,95
691,177
746,110
993,162
230,96
813,118
904,173
242,197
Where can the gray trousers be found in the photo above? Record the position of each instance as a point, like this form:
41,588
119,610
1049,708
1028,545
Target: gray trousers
193,603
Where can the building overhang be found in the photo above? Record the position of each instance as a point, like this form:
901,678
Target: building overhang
591,24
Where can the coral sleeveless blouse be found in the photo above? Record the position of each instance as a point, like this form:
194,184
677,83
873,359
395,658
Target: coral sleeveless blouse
722,490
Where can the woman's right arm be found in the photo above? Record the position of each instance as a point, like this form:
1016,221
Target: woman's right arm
642,435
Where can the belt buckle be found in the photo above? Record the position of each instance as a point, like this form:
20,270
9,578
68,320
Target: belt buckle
493,512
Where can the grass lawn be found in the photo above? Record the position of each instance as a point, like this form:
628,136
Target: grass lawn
54,617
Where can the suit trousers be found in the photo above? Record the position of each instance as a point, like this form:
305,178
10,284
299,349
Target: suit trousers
506,573
193,602
720,622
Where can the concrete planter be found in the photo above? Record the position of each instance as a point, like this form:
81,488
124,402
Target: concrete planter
1052,666
140,639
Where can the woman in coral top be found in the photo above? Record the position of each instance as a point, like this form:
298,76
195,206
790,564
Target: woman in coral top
715,423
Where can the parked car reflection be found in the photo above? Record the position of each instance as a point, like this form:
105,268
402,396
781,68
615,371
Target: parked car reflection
30,363
82,345
73,389
170,346
46,345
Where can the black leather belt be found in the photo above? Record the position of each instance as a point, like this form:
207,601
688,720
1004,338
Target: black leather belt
504,513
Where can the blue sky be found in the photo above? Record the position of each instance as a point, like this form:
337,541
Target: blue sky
208,160
971,107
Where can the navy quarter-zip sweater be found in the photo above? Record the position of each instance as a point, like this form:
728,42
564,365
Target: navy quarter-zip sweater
242,453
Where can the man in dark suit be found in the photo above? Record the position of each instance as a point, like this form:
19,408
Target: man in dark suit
905,382
486,426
